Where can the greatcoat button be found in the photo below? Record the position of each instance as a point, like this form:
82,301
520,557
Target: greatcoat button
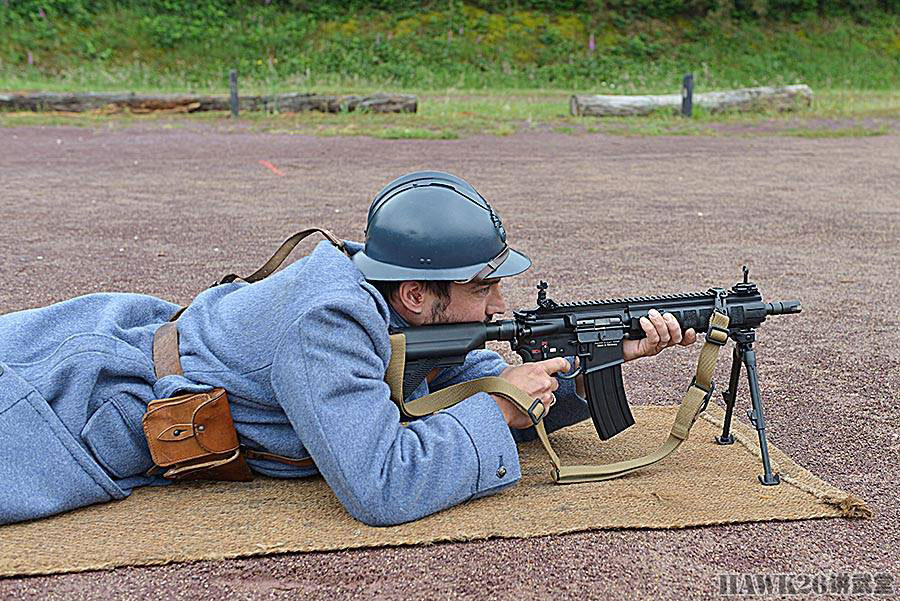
201,428
501,471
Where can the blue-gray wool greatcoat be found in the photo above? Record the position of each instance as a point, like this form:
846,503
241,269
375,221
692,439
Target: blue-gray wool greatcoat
302,355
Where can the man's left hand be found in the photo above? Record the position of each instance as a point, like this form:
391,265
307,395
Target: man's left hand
661,331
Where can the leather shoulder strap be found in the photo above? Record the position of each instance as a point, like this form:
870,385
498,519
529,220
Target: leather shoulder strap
282,253
276,260
166,358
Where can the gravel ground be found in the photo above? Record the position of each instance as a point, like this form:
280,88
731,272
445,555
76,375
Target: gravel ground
166,211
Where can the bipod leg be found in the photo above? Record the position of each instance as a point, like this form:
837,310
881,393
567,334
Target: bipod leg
757,418
730,395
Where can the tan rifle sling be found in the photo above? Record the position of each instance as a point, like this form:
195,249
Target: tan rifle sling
695,400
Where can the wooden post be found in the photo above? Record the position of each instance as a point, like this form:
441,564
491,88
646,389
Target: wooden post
235,107
687,95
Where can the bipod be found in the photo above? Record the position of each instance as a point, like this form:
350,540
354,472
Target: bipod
744,354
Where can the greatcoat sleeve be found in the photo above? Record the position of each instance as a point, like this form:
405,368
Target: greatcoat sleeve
328,376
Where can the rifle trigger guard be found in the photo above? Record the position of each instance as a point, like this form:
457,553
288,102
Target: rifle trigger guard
578,370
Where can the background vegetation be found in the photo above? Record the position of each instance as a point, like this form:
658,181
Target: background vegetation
322,45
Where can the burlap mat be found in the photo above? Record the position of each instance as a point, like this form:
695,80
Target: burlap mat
701,483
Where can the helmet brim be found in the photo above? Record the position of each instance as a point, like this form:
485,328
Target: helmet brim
514,264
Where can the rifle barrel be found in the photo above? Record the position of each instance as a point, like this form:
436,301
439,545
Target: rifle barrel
783,308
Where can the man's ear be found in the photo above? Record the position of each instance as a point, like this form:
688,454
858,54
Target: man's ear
411,295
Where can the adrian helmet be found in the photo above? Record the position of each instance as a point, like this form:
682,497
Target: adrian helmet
430,225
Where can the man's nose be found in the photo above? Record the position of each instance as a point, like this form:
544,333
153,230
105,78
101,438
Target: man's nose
496,303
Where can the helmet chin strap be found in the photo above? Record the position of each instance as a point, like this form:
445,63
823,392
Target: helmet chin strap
488,269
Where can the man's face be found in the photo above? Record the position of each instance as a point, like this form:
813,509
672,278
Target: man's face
476,301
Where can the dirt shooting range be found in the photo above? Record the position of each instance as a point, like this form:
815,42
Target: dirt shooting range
730,165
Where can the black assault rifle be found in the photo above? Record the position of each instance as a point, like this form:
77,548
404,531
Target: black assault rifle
594,332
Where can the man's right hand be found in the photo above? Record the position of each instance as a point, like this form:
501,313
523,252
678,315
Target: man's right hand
534,379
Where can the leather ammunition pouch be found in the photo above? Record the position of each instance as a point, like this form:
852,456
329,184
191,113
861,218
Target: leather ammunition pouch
193,436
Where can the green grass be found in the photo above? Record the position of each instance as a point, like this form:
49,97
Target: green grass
414,133
450,115
443,47
840,132
475,72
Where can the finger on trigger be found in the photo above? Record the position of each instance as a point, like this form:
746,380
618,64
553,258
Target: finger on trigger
551,366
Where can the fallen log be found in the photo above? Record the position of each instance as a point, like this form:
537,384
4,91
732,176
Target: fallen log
189,103
787,98
377,103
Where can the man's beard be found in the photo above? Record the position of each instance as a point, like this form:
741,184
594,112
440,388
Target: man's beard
439,311
440,315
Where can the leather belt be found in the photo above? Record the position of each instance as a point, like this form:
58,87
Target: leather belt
167,361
